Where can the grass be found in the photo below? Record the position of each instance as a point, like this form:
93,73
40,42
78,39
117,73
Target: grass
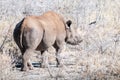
96,58
5,68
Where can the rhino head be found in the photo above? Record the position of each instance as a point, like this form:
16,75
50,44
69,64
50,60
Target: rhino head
72,36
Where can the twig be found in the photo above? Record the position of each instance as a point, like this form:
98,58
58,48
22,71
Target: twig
48,67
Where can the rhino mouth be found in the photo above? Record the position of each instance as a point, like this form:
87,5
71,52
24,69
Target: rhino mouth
74,42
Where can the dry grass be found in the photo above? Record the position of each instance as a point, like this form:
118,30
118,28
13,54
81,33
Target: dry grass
5,66
96,58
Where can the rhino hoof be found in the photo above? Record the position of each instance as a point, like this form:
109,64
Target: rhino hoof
60,65
24,69
31,68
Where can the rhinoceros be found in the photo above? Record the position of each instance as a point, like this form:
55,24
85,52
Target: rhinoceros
42,32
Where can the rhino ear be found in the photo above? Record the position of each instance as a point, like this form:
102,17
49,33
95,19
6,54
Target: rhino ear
68,23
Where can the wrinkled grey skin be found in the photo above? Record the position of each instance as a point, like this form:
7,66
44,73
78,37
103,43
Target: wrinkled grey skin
42,32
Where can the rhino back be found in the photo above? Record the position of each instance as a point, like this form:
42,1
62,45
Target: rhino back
55,25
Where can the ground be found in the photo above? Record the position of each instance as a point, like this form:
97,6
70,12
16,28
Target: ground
78,65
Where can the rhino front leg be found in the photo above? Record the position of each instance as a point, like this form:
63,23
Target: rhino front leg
58,57
60,47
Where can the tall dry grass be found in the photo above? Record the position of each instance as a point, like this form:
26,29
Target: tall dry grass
8,50
96,58
5,66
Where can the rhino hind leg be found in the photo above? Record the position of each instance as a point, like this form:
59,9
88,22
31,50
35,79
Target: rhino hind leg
30,65
25,60
30,42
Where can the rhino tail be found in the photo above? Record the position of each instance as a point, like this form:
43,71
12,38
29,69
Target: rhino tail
21,39
21,35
